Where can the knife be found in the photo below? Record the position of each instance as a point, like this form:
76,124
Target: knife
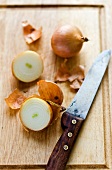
74,116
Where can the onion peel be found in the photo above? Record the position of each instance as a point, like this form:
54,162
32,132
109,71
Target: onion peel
30,33
76,84
77,73
75,76
56,110
51,93
63,72
15,99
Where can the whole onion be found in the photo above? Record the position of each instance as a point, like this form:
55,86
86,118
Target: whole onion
67,41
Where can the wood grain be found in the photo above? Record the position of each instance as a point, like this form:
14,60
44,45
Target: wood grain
53,2
20,149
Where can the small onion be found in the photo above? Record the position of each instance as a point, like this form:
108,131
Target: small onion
67,41
35,114
27,66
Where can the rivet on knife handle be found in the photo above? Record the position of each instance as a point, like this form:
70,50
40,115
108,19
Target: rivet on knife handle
59,157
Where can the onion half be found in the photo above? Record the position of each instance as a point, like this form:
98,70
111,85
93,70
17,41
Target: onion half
27,66
35,114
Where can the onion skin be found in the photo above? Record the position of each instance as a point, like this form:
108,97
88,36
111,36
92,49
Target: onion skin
67,41
51,92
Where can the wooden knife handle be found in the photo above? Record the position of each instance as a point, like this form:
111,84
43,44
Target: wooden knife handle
59,157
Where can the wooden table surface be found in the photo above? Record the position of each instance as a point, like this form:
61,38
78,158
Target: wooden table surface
22,150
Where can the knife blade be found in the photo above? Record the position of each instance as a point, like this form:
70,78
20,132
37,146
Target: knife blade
74,116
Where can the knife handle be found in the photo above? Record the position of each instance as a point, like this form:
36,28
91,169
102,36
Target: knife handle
59,157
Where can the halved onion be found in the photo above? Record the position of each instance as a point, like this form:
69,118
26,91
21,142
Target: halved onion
27,66
35,114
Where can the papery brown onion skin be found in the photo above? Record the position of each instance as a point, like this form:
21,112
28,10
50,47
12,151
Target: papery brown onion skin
67,41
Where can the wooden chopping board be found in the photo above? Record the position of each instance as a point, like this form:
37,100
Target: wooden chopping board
22,150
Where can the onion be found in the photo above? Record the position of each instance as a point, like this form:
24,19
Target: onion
35,114
67,41
27,66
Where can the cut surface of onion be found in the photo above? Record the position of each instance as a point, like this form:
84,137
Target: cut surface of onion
35,114
27,66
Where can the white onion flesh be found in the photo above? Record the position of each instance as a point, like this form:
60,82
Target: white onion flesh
27,66
35,114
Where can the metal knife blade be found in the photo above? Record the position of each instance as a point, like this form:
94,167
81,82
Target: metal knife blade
84,97
73,118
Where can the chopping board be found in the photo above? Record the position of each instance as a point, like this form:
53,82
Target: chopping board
22,150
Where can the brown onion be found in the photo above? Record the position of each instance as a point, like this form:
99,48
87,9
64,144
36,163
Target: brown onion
67,41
